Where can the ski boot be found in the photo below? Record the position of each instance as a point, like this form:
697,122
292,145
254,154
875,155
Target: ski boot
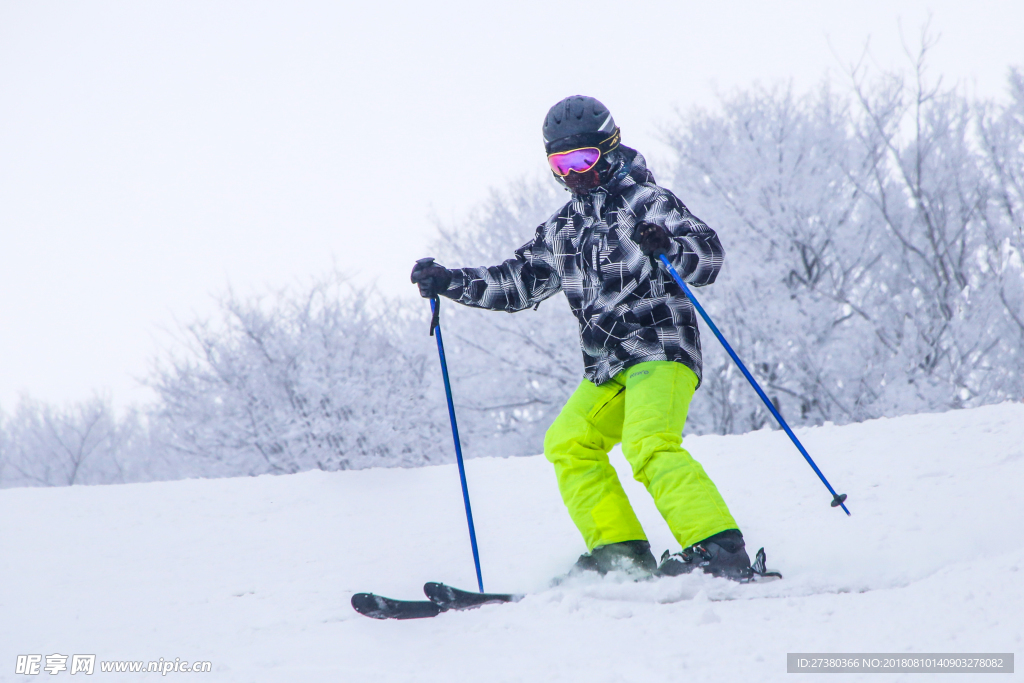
721,555
632,557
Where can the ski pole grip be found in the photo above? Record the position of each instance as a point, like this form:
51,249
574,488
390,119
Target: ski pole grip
435,302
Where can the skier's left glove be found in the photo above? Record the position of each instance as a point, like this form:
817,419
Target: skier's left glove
432,278
654,240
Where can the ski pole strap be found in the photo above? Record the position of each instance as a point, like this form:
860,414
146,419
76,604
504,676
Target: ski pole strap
435,316
838,500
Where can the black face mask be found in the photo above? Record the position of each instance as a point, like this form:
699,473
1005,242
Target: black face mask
582,183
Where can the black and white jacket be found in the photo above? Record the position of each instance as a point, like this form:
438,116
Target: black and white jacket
629,311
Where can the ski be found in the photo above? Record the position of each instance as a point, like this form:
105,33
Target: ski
448,598
442,599
379,607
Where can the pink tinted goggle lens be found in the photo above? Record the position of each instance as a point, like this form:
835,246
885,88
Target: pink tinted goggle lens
579,160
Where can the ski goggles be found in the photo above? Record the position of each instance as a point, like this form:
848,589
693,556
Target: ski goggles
579,160
582,159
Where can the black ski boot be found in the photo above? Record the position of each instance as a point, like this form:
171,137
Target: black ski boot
631,557
720,555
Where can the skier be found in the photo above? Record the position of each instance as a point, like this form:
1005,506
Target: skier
641,348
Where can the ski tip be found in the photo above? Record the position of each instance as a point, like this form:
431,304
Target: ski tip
761,573
759,561
369,605
438,592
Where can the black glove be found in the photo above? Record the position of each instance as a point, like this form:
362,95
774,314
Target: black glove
432,278
654,240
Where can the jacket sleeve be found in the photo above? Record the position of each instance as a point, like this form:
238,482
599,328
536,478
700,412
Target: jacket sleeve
696,251
514,285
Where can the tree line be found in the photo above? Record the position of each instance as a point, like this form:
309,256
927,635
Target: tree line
874,267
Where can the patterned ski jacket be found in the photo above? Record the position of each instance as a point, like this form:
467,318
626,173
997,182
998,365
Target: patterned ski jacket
628,310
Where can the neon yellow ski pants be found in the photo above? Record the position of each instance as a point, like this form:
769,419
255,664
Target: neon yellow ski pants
645,408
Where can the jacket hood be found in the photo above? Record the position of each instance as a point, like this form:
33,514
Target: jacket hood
628,169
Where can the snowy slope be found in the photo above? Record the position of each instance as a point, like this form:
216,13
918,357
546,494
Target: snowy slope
255,574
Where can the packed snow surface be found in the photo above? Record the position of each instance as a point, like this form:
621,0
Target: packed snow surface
255,574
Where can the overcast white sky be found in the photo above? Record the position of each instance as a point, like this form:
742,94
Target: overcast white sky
153,153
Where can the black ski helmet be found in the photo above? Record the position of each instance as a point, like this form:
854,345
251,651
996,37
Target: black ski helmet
579,121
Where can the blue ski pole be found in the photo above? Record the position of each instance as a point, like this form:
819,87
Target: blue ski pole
435,331
838,500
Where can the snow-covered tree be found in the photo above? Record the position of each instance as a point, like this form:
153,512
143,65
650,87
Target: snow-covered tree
776,175
873,248
43,445
1001,129
325,378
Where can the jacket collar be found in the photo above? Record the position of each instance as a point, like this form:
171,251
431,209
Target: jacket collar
628,169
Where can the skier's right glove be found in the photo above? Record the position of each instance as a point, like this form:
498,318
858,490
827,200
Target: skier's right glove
432,278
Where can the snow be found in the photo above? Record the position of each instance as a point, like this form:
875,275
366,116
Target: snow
255,574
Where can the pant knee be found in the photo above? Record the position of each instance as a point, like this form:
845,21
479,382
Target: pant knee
573,438
557,440
642,452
